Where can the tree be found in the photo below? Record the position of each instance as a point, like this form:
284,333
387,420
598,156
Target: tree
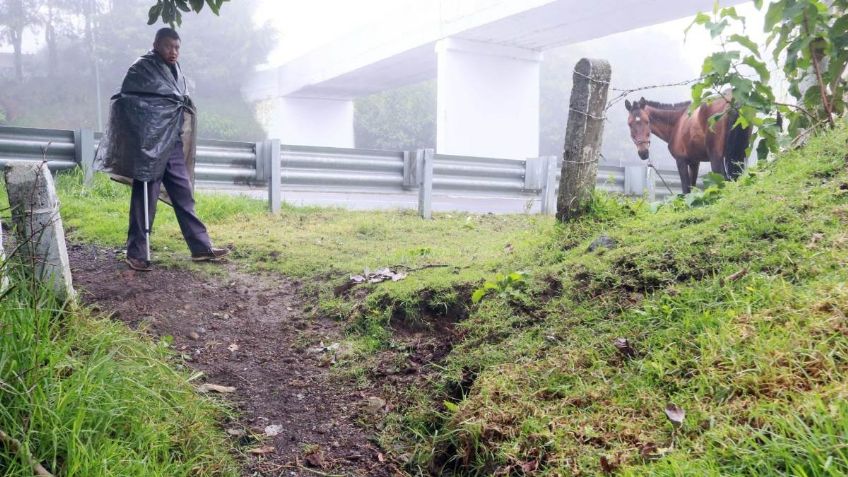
171,11
400,119
15,17
809,41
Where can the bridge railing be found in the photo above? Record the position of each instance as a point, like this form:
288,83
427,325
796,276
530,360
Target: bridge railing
402,176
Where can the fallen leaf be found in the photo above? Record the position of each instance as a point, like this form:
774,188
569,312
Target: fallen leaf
273,430
737,275
233,347
236,432
648,450
262,450
606,466
316,459
530,466
205,388
675,414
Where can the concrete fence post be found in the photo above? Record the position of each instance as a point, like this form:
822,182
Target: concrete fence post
38,226
425,189
583,136
275,174
84,153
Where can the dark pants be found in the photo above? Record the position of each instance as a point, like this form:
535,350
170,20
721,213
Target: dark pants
178,185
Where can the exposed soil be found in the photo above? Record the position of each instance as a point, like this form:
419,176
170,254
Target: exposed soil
250,332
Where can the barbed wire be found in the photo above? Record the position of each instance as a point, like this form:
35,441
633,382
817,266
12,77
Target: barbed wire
623,92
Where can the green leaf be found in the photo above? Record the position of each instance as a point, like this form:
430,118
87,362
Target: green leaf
714,180
721,62
747,43
516,276
451,407
716,29
774,15
478,295
196,5
730,12
153,14
758,66
213,5
697,93
169,12
183,5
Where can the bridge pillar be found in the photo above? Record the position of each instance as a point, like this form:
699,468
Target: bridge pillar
311,121
487,99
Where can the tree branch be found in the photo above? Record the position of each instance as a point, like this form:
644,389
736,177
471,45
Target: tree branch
15,446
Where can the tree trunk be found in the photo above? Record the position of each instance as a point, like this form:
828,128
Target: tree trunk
50,40
583,136
16,44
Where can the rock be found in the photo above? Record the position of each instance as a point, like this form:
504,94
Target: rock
603,241
205,388
194,335
273,430
375,404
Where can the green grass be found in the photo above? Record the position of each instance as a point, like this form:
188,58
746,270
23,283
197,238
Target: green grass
324,246
535,384
87,397
758,363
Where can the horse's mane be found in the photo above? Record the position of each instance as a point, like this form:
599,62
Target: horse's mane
669,106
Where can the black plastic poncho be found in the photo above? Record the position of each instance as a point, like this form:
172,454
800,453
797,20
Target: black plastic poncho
146,118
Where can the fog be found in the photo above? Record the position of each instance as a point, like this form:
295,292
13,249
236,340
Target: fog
75,53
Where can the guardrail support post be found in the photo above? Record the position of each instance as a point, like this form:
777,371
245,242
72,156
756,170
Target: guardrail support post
84,154
651,180
271,148
425,190
550,168
410,170
634,180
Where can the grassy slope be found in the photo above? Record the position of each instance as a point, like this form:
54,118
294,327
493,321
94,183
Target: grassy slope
86,397
758,363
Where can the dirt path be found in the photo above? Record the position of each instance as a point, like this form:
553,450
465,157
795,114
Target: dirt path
248,332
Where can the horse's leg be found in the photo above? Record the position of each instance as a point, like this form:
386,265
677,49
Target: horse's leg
715,148
682,169
693,173
717,163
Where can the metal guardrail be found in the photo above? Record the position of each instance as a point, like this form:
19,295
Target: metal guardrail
229,164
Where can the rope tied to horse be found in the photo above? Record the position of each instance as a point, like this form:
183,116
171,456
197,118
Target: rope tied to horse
651,165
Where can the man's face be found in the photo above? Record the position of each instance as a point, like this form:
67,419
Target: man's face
168,49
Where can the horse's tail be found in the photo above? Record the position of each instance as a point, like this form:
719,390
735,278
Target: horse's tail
735,145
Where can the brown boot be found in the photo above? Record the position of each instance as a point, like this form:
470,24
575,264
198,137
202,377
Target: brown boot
212,255
139,264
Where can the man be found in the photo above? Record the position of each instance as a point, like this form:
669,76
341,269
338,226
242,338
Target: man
149,142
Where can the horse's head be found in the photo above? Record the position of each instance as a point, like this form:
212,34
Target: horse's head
640,126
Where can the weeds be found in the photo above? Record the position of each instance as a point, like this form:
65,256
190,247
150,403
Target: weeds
83,396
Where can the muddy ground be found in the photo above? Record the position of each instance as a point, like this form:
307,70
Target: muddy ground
251,332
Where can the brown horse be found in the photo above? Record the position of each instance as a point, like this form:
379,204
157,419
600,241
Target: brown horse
690,138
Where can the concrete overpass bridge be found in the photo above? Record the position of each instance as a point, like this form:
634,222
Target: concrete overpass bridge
485,54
